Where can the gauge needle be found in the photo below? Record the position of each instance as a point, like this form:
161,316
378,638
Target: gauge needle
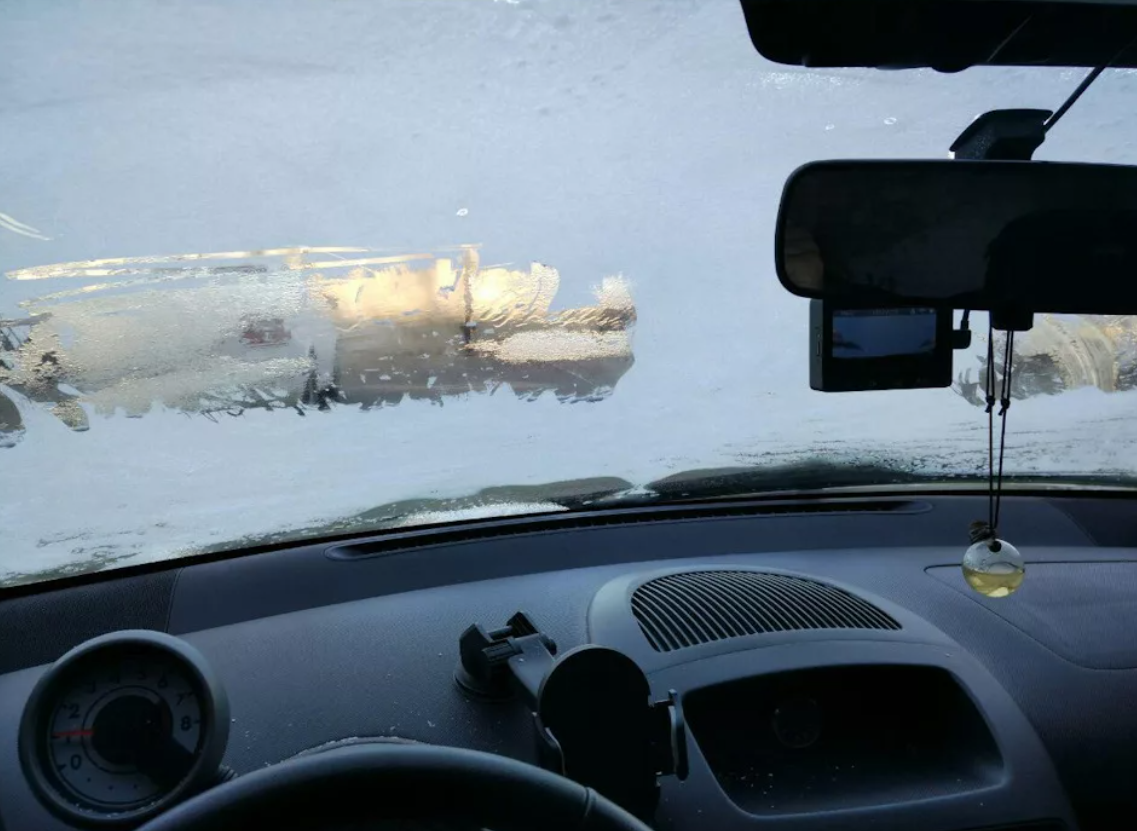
64,734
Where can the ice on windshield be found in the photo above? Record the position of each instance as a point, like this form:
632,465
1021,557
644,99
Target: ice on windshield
280,272
308,327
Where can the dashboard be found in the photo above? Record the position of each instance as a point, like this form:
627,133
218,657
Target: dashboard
820,664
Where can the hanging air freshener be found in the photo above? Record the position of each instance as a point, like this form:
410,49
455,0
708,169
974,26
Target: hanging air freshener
992,566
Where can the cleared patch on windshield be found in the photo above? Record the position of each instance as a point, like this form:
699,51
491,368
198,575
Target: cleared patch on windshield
302,329
1059,353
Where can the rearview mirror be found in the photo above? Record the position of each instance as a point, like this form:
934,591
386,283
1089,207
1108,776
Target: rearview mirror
948,35
984,235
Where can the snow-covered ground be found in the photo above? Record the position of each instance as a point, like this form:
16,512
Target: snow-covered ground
601,138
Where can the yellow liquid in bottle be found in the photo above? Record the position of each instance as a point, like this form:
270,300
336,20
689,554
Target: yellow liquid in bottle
997,580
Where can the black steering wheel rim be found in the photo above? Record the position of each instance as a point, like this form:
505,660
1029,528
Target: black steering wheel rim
407,782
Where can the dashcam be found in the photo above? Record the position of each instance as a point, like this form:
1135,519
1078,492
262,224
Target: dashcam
878,349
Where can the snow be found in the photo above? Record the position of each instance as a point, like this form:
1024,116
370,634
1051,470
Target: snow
601,138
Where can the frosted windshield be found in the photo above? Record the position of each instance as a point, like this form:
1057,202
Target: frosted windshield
274,271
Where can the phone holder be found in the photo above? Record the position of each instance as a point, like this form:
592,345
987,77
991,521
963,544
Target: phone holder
593,717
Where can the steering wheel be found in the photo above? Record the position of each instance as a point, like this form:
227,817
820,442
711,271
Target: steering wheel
376,782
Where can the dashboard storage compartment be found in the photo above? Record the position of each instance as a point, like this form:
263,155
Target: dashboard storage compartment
842,737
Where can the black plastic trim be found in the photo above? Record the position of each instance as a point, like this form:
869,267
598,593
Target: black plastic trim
1026,783
466,532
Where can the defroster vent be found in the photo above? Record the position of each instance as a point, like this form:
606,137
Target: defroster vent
694,607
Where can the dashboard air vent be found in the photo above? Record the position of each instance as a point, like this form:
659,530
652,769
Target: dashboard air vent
694,607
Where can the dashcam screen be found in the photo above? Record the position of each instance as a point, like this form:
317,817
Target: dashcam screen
883,333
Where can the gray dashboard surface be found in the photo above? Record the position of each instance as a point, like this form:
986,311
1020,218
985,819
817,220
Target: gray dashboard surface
383,665
1077,610
211,593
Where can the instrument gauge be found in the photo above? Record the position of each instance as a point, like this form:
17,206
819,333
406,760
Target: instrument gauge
122,727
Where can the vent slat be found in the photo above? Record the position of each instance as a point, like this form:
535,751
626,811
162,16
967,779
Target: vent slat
750,622
732,624
861,613
655,631
826,615
766,615
744,623
781,597
677,611
668,637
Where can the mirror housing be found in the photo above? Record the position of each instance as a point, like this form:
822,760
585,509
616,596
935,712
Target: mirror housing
1007,237
947,35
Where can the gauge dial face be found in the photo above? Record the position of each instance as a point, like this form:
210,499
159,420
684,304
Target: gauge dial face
124,732
122,727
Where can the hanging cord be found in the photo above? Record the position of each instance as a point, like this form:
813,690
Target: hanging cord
1004,405
989,530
